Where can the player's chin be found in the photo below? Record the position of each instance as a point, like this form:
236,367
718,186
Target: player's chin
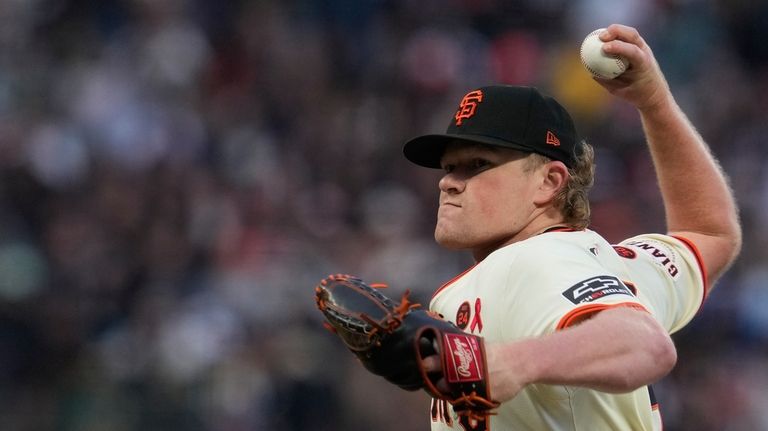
450,240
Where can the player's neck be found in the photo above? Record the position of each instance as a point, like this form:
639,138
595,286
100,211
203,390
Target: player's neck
546,222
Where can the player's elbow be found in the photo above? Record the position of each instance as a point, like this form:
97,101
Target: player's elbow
664,355
654,356
731,240
735,242
658,361
658,354
728,247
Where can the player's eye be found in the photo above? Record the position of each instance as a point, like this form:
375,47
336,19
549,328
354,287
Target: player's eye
479,164
468,167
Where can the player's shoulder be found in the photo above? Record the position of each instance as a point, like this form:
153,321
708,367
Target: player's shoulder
651,237
670,252
551,247
563,239
654,245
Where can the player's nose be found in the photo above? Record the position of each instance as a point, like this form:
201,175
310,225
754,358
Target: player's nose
451,183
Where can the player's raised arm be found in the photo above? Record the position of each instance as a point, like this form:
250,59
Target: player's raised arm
698,202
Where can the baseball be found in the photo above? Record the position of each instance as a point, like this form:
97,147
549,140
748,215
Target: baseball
598,63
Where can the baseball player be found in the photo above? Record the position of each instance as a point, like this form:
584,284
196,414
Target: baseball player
576,329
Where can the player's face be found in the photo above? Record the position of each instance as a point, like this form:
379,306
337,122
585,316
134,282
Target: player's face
486,198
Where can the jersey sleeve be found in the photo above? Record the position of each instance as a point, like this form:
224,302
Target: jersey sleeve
668,275
555,286
567,289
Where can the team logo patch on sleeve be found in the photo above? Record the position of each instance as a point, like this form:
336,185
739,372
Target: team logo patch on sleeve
594,288
662,254
626,253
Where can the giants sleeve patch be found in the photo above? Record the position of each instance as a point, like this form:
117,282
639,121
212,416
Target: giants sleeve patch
661,253
594,288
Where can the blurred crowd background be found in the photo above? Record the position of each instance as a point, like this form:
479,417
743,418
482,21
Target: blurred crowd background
177,175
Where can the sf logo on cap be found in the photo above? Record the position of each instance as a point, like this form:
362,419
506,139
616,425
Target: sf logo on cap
468,105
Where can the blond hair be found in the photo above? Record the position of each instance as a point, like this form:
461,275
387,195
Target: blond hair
572,200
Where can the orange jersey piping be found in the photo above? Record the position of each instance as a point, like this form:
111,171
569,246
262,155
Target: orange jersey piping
451,281
695,250
578,315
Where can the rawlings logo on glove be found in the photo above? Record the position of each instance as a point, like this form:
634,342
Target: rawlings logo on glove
393,340
464,351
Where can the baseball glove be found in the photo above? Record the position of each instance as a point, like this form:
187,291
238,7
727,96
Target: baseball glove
392,339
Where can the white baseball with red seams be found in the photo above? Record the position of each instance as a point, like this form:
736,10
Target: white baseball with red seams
597,62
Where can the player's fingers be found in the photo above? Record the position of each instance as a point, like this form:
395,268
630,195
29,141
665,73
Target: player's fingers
431,364
623,32
626,50
640,60
610,84
625,41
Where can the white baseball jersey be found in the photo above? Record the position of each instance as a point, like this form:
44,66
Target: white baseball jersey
552,281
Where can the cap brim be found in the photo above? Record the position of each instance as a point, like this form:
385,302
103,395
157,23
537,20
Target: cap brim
428,150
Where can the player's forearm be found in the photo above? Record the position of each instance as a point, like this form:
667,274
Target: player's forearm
696,194
697,198
618,350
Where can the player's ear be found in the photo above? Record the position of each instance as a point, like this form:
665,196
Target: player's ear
553,179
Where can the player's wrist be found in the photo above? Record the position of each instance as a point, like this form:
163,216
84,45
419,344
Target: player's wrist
660,104
511,367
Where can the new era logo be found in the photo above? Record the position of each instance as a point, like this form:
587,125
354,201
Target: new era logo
552,139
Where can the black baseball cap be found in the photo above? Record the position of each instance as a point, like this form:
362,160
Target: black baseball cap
507,116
